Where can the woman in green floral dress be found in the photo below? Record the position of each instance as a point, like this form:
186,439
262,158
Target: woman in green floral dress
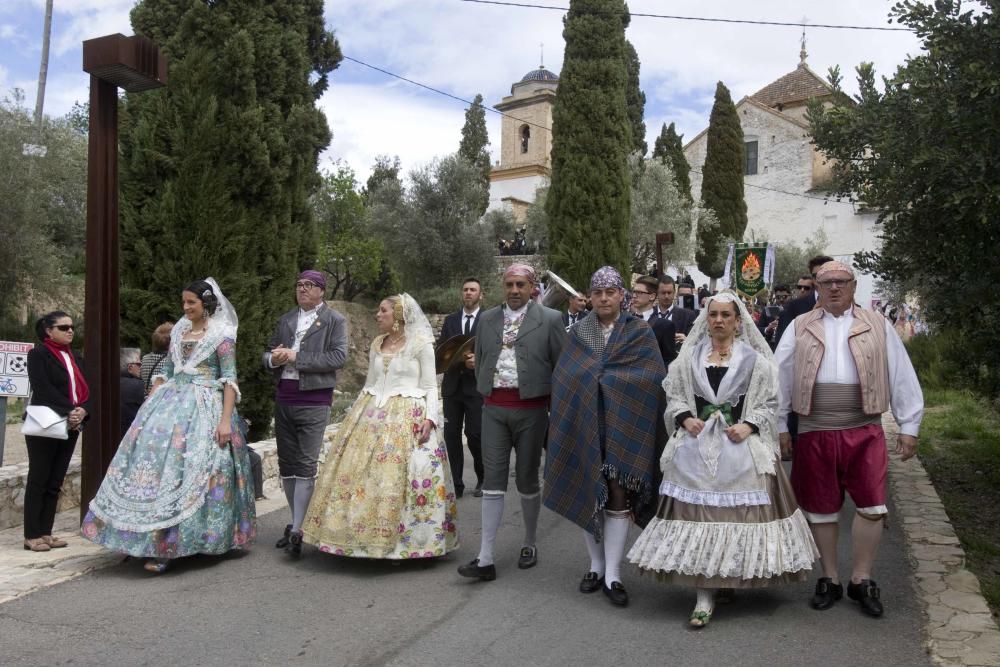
180,482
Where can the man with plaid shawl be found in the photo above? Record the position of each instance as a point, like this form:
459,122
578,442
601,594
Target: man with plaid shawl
602,433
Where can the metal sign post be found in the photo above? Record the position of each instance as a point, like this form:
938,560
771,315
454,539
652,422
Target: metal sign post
13,379
113,62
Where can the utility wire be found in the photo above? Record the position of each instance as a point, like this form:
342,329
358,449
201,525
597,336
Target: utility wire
548,129
446,94
799,24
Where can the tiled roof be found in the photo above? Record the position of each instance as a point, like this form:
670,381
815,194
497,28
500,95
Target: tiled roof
540,74
796,86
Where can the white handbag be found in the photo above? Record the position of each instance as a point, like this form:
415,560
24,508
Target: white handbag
44,422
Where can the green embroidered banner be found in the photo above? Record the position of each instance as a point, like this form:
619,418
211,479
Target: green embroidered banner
748,269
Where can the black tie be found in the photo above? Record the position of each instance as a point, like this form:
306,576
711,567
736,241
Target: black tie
468,324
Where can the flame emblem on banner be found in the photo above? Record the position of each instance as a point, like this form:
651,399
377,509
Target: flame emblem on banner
751,268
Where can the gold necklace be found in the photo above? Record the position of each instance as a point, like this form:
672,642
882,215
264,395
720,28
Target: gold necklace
723,354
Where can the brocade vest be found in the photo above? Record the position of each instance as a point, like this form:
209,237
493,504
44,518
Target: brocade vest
866,342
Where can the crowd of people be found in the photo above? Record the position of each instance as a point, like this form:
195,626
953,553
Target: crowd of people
645,411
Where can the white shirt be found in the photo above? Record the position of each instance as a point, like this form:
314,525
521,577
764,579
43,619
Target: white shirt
905,397
465,318
305,320
68,363
646,315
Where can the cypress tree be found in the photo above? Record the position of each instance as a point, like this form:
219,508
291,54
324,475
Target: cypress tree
669,148
217,168
636,101
588,200
722,180
473,147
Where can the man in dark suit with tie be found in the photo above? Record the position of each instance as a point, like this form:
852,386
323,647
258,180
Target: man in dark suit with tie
576,311
643,299
682,318
462,402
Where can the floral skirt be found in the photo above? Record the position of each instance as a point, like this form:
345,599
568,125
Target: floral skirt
227,519
381,494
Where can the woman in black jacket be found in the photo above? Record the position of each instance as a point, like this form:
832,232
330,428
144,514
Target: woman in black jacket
57,383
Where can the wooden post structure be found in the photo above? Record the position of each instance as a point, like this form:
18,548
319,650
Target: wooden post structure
113,62
662,239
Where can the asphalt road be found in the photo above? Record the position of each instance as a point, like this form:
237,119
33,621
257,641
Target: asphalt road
263,608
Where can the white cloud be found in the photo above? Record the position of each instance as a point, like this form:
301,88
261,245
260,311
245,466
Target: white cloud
372,120
464,49
79,20
62,89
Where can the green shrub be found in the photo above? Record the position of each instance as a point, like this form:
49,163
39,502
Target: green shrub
930,354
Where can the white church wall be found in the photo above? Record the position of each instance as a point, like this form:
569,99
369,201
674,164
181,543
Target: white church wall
519,188
781,206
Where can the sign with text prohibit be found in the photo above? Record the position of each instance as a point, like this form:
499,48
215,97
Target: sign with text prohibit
14,369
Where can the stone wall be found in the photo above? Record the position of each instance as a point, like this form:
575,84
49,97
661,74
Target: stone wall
13,478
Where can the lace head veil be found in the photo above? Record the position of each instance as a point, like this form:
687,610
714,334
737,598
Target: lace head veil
225,315
222,324
746,331
418,329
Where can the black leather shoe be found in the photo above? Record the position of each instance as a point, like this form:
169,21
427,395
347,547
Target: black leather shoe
459,492
478,491
474,570
283,542
826,593
294,547
616,593
866,594
591,582
528,558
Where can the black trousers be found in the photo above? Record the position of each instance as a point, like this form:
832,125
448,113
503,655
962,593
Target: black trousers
48,461
467,409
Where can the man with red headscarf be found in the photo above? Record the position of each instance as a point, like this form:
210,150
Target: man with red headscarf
517,346
839,368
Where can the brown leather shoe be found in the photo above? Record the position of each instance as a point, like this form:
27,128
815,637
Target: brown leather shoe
37,544
55,542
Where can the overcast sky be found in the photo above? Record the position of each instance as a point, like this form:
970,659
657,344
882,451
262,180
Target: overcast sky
466,48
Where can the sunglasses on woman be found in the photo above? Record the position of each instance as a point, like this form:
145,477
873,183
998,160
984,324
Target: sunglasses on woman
63,327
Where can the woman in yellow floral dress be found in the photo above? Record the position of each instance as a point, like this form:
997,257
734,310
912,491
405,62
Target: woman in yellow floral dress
385,490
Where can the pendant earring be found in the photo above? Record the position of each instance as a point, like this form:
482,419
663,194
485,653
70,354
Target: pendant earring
395,326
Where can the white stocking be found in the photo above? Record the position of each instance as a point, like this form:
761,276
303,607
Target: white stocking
596,554
615,533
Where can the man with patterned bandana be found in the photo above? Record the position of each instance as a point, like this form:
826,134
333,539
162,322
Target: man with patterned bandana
841,367
307,349
517,346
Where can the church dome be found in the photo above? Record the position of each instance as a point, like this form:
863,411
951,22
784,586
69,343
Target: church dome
540,74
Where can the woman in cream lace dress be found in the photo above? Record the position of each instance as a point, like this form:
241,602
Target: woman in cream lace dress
385,490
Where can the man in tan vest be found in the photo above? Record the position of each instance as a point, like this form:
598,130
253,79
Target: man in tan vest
840,367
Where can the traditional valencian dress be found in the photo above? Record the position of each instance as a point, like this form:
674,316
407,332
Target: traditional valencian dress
171,490
381,493
727,517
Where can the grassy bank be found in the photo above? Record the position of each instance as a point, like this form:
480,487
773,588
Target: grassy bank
960,448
